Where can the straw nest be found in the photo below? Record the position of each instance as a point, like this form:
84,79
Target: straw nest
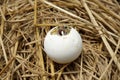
24,24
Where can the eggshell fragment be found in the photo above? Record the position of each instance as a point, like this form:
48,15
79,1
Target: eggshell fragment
63,48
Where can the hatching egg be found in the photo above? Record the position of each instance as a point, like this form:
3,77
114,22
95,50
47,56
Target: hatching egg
63,44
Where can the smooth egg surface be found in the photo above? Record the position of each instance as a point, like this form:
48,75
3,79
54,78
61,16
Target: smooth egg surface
63,48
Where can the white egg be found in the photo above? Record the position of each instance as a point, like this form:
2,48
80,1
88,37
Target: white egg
63,44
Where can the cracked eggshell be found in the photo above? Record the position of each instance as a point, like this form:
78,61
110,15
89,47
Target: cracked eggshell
63,49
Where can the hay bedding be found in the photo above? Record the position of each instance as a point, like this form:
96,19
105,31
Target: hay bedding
24,24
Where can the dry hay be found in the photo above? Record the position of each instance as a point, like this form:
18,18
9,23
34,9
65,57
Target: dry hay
24,24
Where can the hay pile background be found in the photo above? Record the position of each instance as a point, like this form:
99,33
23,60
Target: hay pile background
24,24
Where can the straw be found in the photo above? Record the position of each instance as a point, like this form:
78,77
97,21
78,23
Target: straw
25,23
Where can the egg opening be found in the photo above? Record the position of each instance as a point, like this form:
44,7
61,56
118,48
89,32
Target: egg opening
61,31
